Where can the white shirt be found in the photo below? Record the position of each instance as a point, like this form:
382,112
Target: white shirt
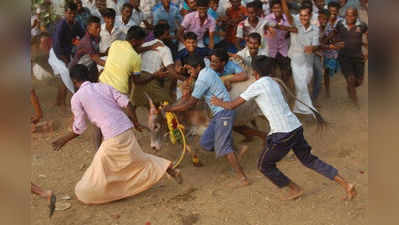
152,61
137,17
112,4
244,54
244,28
270,99
122,26
304,37
107,38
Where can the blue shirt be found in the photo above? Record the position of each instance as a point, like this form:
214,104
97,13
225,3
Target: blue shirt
229,68
209,84
83,16
173,16
183,54
63,36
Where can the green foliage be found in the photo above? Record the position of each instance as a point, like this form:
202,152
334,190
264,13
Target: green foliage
47,15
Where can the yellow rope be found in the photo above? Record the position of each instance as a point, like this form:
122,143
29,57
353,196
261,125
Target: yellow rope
176,132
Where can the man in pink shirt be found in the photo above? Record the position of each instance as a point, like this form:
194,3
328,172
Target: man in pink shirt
199,23
120,168
279,42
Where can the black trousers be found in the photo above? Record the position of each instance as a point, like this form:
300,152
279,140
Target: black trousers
278,145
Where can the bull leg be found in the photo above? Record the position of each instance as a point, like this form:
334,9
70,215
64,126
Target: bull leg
250,132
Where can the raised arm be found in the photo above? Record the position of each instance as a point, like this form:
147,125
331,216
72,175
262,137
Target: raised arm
287,12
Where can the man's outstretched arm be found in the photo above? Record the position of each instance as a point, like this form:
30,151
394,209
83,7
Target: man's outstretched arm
227,105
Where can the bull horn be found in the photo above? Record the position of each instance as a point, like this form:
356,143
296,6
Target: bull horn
149,100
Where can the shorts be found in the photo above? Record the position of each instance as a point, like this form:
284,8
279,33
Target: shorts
218,137
331,65
352,66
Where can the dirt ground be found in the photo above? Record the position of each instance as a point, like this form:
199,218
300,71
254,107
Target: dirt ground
205,197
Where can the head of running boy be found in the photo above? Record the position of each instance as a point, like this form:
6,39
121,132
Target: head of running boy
351,16
262,66
258,5
135,36
70,12
127,10
165,3
276,8
79,75
333,9
190,41
323,17
161,31
94,26
194,65
202,8
253,43
219,59
109,18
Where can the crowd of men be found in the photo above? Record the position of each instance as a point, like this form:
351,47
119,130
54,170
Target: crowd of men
184,51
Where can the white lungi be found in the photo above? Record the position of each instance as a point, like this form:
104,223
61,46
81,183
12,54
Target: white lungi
60,69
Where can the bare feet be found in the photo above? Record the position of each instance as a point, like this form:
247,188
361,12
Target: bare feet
45,126
350,192
242,151
35,119
294,192
243,182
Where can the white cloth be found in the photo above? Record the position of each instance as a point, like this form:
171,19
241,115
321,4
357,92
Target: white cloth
122,26
112,4
107,38
268,96
58,6
244,54
302,64
60,69
152,61
137,17
93,9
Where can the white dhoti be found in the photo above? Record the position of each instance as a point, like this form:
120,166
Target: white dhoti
119,169
302,72
60,69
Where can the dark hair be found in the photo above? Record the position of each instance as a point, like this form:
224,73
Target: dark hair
93,19
252,5
221,53
109,13
307,4
257,4
274,2
334,5
79,73
71,6
190,36
160,29
256,36
136,33
324,12
202,3
127,5
263,65
195,61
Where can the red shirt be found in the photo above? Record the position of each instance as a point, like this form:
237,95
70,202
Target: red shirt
235,14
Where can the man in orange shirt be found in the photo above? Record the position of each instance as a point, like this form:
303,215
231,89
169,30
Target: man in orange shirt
235,14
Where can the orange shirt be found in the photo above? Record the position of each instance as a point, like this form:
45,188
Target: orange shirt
233,14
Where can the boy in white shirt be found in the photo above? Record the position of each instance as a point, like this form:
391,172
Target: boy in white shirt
286,131
110,32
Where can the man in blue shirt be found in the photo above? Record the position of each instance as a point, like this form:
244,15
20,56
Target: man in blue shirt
169,12
218,135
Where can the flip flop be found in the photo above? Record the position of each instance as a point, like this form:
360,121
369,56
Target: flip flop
53,199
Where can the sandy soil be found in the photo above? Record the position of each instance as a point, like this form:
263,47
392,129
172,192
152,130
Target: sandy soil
205,197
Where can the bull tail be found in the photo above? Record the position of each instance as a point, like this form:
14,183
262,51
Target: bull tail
321,122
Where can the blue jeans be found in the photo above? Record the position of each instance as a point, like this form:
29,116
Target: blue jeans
218,136
317,76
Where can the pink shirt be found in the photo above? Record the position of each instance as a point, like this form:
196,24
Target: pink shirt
192,23
280,42
101,104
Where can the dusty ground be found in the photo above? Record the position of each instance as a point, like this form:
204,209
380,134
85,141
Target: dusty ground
205,198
